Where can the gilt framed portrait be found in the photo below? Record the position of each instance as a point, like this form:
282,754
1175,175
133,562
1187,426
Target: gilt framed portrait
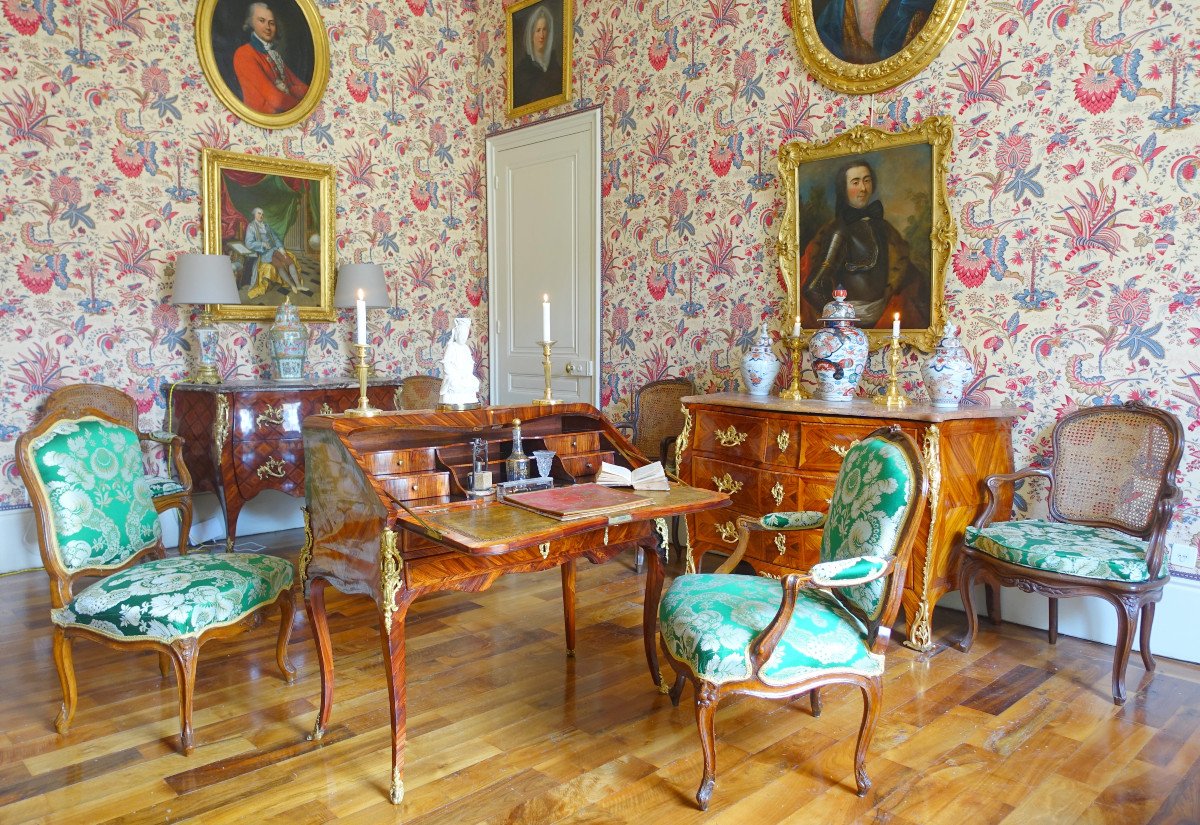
867,212
539,35
266,60
274,218
866,46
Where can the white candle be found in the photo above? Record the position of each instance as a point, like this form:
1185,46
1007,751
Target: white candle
796,328
361,308
545,317
896,325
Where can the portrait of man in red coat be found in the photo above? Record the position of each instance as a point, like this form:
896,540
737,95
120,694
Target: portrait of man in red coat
267,84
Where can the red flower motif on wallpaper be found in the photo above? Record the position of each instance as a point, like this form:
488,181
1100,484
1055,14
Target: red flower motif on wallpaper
1096,89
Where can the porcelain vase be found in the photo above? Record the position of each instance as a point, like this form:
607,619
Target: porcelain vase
839,351
948,370
289,343
760,366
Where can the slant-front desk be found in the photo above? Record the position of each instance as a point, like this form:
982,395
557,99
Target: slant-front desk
388,517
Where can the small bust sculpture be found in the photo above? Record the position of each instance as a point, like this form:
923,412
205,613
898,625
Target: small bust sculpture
459,384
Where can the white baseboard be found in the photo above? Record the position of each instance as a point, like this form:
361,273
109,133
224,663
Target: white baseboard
1174,633
267,513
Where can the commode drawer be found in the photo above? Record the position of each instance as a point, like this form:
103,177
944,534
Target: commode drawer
736,437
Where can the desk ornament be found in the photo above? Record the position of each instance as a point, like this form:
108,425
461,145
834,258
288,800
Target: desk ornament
516,466
289,342
839,350
460,387
760,366
948,370
363,368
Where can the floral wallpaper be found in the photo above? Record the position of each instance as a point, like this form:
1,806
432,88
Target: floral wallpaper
1075,183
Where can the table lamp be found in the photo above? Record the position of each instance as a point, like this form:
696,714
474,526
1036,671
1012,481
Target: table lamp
205,280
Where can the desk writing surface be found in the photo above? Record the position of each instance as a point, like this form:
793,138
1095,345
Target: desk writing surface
490,527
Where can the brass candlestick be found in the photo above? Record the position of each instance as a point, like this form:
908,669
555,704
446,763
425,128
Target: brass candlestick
795,392
893,399
363,367
548,398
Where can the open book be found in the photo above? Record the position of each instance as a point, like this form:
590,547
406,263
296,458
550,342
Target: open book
650,477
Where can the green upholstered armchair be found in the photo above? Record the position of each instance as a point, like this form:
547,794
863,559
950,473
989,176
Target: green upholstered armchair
731,634
1111,496
95,517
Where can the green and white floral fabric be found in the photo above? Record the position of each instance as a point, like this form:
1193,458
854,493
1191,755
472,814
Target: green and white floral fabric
874,489
1077,550
163,486
797,520
847,572
168,599
99,497
709,620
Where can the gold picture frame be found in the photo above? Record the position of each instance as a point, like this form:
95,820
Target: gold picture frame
908,45
272,88
908,180
532,82
284,253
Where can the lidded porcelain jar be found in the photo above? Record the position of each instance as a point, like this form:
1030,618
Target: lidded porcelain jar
760,366
289,343
839,351
948,370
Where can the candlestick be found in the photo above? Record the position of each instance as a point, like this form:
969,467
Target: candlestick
893,399
795,392
796,329
548,398
896,326
364,408
361,308
546,318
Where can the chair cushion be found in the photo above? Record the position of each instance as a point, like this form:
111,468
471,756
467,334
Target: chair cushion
168,599
1073,549
163,486
708,621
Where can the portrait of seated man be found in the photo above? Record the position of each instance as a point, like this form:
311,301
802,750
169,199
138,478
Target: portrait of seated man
868,31
270,262
538,74
267,84
862,251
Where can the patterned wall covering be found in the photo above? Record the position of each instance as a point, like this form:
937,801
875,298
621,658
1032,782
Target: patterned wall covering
1075,182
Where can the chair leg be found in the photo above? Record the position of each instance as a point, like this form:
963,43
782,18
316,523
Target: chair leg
185,526
992,596
872,693
706,711
287,611
1147,623
164,665
1127,615
184,654
66,676
814,698
1052,631
966,581
677,689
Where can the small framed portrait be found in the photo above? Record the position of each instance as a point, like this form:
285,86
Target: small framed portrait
267,60
866,46
867,212
275,220
539,34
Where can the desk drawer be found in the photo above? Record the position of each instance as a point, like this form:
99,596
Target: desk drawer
422,485
732,437
573,443
400,461
270,464
585,465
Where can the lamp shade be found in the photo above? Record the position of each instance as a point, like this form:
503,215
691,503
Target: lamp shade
368,278
204,279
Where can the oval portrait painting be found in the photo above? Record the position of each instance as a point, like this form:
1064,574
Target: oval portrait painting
865,46
267,60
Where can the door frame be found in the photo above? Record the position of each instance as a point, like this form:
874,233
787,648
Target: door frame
549,128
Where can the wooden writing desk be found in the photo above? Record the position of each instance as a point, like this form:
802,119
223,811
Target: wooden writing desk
388,517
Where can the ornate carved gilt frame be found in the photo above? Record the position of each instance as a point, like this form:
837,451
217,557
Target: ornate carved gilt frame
938,132
568,38
213,162
861,79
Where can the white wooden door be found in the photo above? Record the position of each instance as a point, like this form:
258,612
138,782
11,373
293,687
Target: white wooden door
544,239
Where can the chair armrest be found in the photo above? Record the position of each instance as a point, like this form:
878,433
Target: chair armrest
623,427
993,483
849,572
773,522
174,445
160,436
764,644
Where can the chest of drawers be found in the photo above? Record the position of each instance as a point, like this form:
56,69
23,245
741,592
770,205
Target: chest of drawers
770,455
244,437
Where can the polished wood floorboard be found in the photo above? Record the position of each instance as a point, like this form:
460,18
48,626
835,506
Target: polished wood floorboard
504,728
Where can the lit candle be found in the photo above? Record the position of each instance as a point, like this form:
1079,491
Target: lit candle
361,308
896,325
545,317
796,328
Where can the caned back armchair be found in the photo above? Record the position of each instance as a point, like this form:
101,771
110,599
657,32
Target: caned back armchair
658,418
419,392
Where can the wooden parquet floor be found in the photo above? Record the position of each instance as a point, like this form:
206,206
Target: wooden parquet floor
503,728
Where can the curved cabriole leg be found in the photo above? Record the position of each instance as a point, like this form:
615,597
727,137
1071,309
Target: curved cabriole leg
1144,642
393,657
654,583
1127,615
814,698
706,711
185,526
314,606
66,676
1052,623
872,693
991,593
966,583
568,594
287,611
164,665
184,654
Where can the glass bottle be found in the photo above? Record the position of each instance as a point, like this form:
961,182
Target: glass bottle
481,477
516,466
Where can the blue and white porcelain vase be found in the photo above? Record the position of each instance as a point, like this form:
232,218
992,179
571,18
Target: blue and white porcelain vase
289,343
760,366
839,351
948,370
